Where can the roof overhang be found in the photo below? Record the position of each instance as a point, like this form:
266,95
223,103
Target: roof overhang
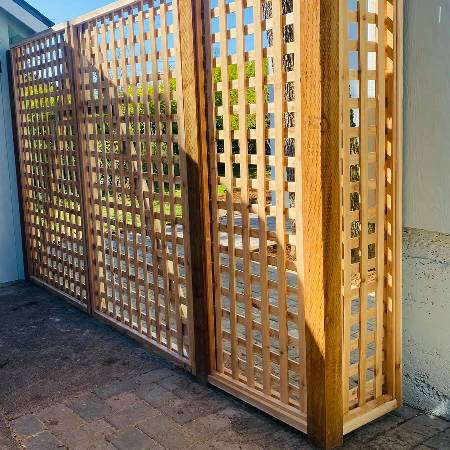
26,14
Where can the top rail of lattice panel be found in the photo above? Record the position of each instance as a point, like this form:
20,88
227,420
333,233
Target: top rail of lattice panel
109,9
42,34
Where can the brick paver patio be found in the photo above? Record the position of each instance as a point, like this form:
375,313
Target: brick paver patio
68,381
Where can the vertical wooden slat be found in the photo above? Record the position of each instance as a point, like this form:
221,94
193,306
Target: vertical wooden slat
381,195
229,182
262,196
125,169
299,255
398,170
321,209
244,179
211,177
364,196
391,244
146,189
280,198
345,204
158,229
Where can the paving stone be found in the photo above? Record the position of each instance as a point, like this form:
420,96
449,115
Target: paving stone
125,400
409,434
191,390
43,441
440,442
59,418
153,376
252,424
155,395
89,407
175,381
133,439
406,412
86,436
229,441
115,388
209,425
180,411
26,426
132,416
102,444
286,439
213,402
426,424
157,425
5,441
235,411
166,432
372,430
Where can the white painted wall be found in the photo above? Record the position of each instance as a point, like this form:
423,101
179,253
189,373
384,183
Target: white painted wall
426,254
427,115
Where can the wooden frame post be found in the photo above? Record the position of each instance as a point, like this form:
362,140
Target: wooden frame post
83,165
194,100
321,210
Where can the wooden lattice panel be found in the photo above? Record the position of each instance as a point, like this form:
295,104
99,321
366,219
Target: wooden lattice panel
49,158
132,110
368,199
255,175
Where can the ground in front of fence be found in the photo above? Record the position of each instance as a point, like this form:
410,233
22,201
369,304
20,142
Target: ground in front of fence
68,381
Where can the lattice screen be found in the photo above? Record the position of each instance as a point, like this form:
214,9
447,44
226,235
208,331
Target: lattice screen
368,52
101,133
132,111
50,164
256,196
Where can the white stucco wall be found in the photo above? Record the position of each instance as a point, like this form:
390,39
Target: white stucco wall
426,256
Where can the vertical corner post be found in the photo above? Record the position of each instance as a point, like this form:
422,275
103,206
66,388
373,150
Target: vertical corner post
197,192
320,130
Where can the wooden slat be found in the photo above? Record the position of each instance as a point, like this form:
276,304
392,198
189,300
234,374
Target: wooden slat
364,193
381,180
262,193
244,173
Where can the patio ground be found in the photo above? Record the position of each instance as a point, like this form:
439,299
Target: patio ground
69,381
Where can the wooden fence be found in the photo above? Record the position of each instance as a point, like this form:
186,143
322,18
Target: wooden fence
222,180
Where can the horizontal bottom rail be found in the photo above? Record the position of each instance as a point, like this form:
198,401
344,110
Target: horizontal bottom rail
372,410
269,405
